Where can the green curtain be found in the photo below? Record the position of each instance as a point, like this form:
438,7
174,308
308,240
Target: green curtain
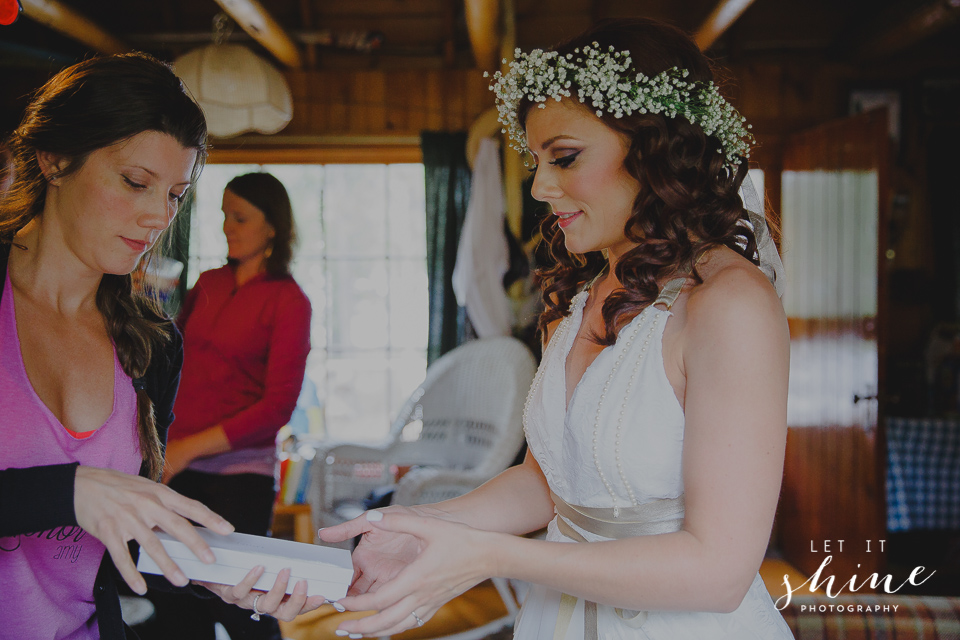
179,249
447,177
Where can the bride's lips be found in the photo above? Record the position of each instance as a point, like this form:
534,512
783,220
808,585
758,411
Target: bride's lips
567,218
136,245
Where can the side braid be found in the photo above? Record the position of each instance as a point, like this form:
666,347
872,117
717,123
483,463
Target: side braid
137,331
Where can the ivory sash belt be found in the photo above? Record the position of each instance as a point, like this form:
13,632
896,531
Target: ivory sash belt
652,518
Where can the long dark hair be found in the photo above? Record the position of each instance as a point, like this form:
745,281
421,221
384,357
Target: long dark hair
88,106
268,194
688,199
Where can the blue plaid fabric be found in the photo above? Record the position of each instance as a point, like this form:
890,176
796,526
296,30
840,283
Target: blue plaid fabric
923,474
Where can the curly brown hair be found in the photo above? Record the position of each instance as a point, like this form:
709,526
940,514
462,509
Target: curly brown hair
687,202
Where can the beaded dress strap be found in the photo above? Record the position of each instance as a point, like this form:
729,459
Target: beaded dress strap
670,292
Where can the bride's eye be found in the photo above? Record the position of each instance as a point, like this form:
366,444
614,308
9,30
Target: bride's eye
565,161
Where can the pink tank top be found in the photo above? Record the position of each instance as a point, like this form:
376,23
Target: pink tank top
47,577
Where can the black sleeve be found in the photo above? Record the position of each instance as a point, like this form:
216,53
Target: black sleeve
168,381
37,498
162,380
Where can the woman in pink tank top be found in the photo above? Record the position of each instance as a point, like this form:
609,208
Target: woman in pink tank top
89,366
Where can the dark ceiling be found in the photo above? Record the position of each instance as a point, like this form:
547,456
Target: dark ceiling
418,33
876,36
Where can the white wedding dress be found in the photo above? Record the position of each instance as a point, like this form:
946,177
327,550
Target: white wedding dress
639,419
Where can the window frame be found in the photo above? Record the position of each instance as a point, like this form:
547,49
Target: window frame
316,150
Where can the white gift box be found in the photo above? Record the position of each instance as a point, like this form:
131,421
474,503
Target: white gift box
327,570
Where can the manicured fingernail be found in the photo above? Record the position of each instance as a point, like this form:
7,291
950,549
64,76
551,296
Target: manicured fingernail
341,632
339,607
180,579
356,635
374,516
208,557
141,589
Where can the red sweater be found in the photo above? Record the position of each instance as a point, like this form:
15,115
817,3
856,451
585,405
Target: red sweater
245,350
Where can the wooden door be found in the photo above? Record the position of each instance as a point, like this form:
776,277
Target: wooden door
833,197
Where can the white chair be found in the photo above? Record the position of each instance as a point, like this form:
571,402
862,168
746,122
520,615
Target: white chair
460,428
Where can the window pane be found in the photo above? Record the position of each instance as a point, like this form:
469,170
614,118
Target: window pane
355,210
407,211
409,303
357,387
304,184
358,304
310,274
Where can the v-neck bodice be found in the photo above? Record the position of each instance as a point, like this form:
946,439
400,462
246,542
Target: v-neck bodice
623,403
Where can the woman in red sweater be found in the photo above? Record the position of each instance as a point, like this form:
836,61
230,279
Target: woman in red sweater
246,329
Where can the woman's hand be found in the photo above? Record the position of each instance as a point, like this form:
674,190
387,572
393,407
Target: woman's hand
181,452
116,507
412,565
276,602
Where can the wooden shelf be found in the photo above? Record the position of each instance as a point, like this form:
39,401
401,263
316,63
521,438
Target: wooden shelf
293,518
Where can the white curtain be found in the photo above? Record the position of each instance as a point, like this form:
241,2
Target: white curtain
482,254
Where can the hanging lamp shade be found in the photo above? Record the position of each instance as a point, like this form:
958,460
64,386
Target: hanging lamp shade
238,90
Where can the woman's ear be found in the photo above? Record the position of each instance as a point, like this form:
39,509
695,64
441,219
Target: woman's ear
52,166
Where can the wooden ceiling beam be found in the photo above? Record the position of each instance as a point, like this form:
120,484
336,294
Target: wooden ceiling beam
257,21
306,18
918,25
723,15
72,24
483,26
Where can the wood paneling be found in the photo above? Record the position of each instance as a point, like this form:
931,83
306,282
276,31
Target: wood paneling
377,103
831,489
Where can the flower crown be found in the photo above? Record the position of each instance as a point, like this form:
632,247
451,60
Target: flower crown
605,80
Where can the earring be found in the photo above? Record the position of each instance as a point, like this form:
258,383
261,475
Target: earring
268,251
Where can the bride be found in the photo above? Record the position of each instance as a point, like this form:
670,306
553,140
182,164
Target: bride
657,420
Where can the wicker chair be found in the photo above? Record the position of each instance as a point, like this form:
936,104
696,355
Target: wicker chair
460,428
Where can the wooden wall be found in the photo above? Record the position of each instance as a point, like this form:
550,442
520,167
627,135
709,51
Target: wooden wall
776,98
832,490
386,102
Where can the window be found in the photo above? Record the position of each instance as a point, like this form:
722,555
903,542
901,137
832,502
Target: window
361,259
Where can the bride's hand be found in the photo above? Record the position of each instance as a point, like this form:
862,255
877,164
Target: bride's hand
448,558
381,554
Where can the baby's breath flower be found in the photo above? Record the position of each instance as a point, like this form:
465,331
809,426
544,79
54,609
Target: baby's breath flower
604,79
